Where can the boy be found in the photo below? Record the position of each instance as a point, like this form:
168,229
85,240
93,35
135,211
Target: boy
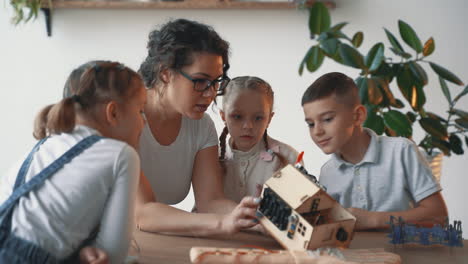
373,176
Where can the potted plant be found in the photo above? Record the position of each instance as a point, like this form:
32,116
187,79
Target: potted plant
380,74
25,10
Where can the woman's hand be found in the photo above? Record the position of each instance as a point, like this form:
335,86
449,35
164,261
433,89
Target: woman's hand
242,217
92,255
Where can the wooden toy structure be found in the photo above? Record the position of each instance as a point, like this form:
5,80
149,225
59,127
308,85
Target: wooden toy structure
300,215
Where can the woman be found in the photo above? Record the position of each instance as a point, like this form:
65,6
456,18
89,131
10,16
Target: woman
185,68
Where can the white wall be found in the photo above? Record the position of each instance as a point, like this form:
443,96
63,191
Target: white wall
267,43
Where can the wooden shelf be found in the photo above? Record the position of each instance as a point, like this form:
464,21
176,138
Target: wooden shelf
154,4
158,4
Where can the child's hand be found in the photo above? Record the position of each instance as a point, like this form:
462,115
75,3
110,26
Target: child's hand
260,229
242,217
364,219
92,255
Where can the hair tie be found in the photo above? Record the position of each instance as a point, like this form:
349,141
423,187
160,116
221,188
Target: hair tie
97,68
76,98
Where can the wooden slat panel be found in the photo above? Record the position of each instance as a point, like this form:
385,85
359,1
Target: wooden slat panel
135,4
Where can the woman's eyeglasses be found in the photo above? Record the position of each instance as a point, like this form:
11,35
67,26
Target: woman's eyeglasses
201,85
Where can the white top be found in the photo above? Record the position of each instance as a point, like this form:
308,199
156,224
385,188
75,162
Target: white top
169,168
98,187
244,170
392,176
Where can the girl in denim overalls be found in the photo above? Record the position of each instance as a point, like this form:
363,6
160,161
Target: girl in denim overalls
72,197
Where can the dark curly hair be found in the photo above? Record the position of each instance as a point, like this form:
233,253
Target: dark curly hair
173,45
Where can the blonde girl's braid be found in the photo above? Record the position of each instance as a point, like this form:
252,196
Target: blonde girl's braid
265,139
222,143
282,159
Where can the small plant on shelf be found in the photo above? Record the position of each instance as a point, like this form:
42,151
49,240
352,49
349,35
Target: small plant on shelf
25,10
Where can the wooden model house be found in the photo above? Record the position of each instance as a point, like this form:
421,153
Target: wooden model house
300,215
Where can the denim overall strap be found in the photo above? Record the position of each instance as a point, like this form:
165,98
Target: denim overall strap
44,174
17,250
26,163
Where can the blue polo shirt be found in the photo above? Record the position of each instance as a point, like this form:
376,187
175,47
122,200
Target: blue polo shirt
392,176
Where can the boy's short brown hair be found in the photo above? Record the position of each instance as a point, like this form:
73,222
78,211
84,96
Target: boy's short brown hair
333,83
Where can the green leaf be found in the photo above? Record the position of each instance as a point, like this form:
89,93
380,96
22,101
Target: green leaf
437,117
443,145
434,127
351,56
385,71
409,36
445,90
398,122
315,59
411,90
330,46
374,57
460,113
373,92
361,83
446,74
319,18
387,95
338,26
465,91
429,47
304,61
411,116
394,42
400,53
374,122
418,97
462,122
418,72
337,57
323,36
338,34
405,81
301,68
456,144
398,104
357,39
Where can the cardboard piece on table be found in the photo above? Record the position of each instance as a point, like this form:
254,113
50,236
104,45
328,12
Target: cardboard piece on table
207,255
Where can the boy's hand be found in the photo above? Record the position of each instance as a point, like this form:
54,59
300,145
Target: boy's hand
92,255
364,219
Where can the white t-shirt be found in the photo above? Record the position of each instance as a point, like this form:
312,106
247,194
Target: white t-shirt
244,170
169,168
98,187
392,176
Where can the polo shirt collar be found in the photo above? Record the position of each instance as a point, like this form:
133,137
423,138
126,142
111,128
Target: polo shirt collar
372,154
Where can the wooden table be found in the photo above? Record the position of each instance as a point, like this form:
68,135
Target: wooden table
157,248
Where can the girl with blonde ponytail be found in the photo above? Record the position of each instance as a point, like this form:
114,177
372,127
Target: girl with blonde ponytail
72,199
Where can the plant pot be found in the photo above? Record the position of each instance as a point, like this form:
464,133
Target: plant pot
435,162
